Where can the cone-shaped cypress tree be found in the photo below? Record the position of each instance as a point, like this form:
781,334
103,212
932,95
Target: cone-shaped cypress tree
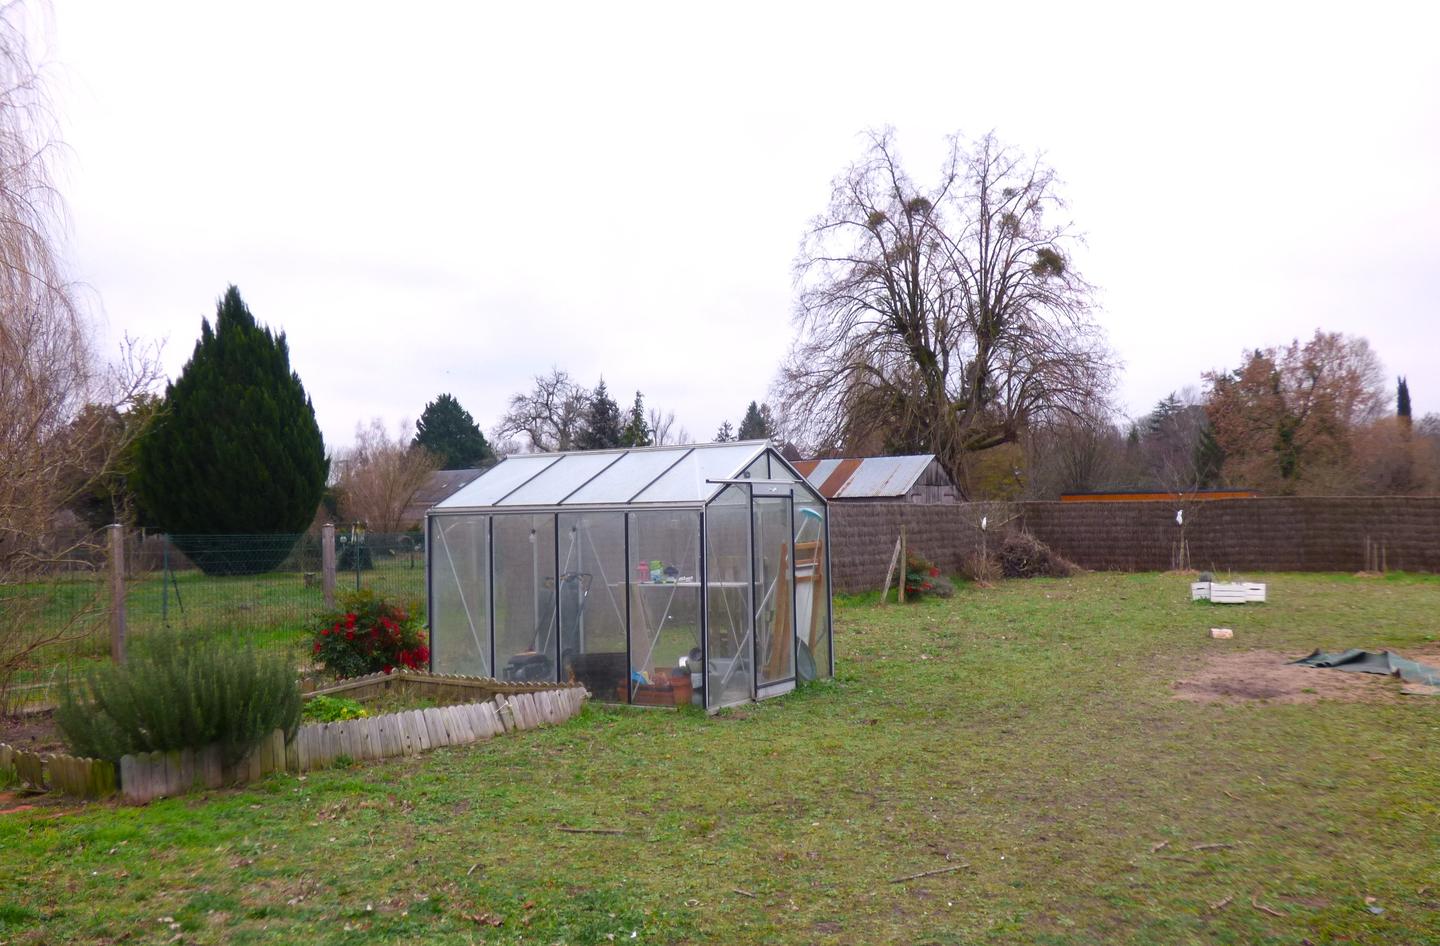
235,451
447,430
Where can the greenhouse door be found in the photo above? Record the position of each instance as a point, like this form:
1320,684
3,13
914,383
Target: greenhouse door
774,595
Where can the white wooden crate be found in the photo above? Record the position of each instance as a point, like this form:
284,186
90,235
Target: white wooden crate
1227,592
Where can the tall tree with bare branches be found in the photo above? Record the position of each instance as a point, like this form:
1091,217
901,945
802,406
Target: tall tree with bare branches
548,417
57,396
940,319
380,476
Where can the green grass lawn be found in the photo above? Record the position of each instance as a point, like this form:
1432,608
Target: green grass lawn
1026,732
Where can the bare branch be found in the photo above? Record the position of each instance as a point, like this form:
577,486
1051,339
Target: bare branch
943,320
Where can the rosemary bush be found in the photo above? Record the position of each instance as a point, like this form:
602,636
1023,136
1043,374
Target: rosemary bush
180,692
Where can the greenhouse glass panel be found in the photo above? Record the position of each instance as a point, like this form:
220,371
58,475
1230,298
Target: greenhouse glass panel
689,480
812,587
526,638
774,589
665,605
592,602
619,483
459,590
560,480
730,652
779,470
490,487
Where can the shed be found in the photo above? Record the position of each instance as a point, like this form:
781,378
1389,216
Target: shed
916,478
661,575
439,485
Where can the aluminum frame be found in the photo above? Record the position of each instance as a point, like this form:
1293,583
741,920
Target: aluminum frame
791,487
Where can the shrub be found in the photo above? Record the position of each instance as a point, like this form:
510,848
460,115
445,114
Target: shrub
332,709
981,569
180,692
922,577
369,634
1022,555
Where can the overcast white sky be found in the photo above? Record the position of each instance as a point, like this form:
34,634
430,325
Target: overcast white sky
439,197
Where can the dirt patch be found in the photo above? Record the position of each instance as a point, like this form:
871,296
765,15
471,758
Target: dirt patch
1250,675
33,732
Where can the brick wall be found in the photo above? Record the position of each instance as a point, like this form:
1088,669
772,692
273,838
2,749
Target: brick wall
1282,534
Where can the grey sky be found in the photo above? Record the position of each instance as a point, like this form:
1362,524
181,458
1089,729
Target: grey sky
454,197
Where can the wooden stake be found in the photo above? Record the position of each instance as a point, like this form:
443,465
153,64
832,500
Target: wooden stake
929,873
894,557
117,592
903,558
327,563
1255,902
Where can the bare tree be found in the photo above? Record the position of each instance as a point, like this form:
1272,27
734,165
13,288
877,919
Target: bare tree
1169,443
940,320
548,417
381,477
1072,454
662,427
51,447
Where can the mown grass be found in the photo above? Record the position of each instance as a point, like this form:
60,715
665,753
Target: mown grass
1026,732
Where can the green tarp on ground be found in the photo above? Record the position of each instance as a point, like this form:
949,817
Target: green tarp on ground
1366,661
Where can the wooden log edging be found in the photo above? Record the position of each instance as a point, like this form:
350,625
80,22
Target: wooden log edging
70,775
154,775
442,686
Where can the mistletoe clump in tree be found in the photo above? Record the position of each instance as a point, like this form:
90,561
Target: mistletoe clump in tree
235,450
942,319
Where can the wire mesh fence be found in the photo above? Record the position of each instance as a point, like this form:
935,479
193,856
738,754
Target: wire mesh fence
52,612
264,591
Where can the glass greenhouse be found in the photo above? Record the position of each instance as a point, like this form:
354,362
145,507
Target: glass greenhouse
655,576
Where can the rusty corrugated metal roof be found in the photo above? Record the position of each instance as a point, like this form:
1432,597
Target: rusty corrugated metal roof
866,477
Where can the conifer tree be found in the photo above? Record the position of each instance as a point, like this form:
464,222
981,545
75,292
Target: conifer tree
1402,402
603,429
725,434
235,450
447,430
757,424
637,428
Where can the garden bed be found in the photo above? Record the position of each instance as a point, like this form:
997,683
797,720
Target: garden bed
452,711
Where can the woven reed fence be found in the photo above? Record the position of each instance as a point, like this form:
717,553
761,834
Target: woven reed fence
862,537
1321,533
1282,534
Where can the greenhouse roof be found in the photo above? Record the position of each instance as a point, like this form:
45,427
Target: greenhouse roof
639,476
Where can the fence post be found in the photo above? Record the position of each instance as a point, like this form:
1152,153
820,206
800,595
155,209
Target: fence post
904,556
117,592
327,563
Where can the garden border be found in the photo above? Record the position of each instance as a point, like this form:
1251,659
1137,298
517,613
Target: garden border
503,707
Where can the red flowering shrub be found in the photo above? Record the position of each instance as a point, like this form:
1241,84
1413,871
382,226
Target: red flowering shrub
369,634
923,578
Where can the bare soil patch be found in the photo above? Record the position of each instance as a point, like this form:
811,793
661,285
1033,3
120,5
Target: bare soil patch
1263,675
32,732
